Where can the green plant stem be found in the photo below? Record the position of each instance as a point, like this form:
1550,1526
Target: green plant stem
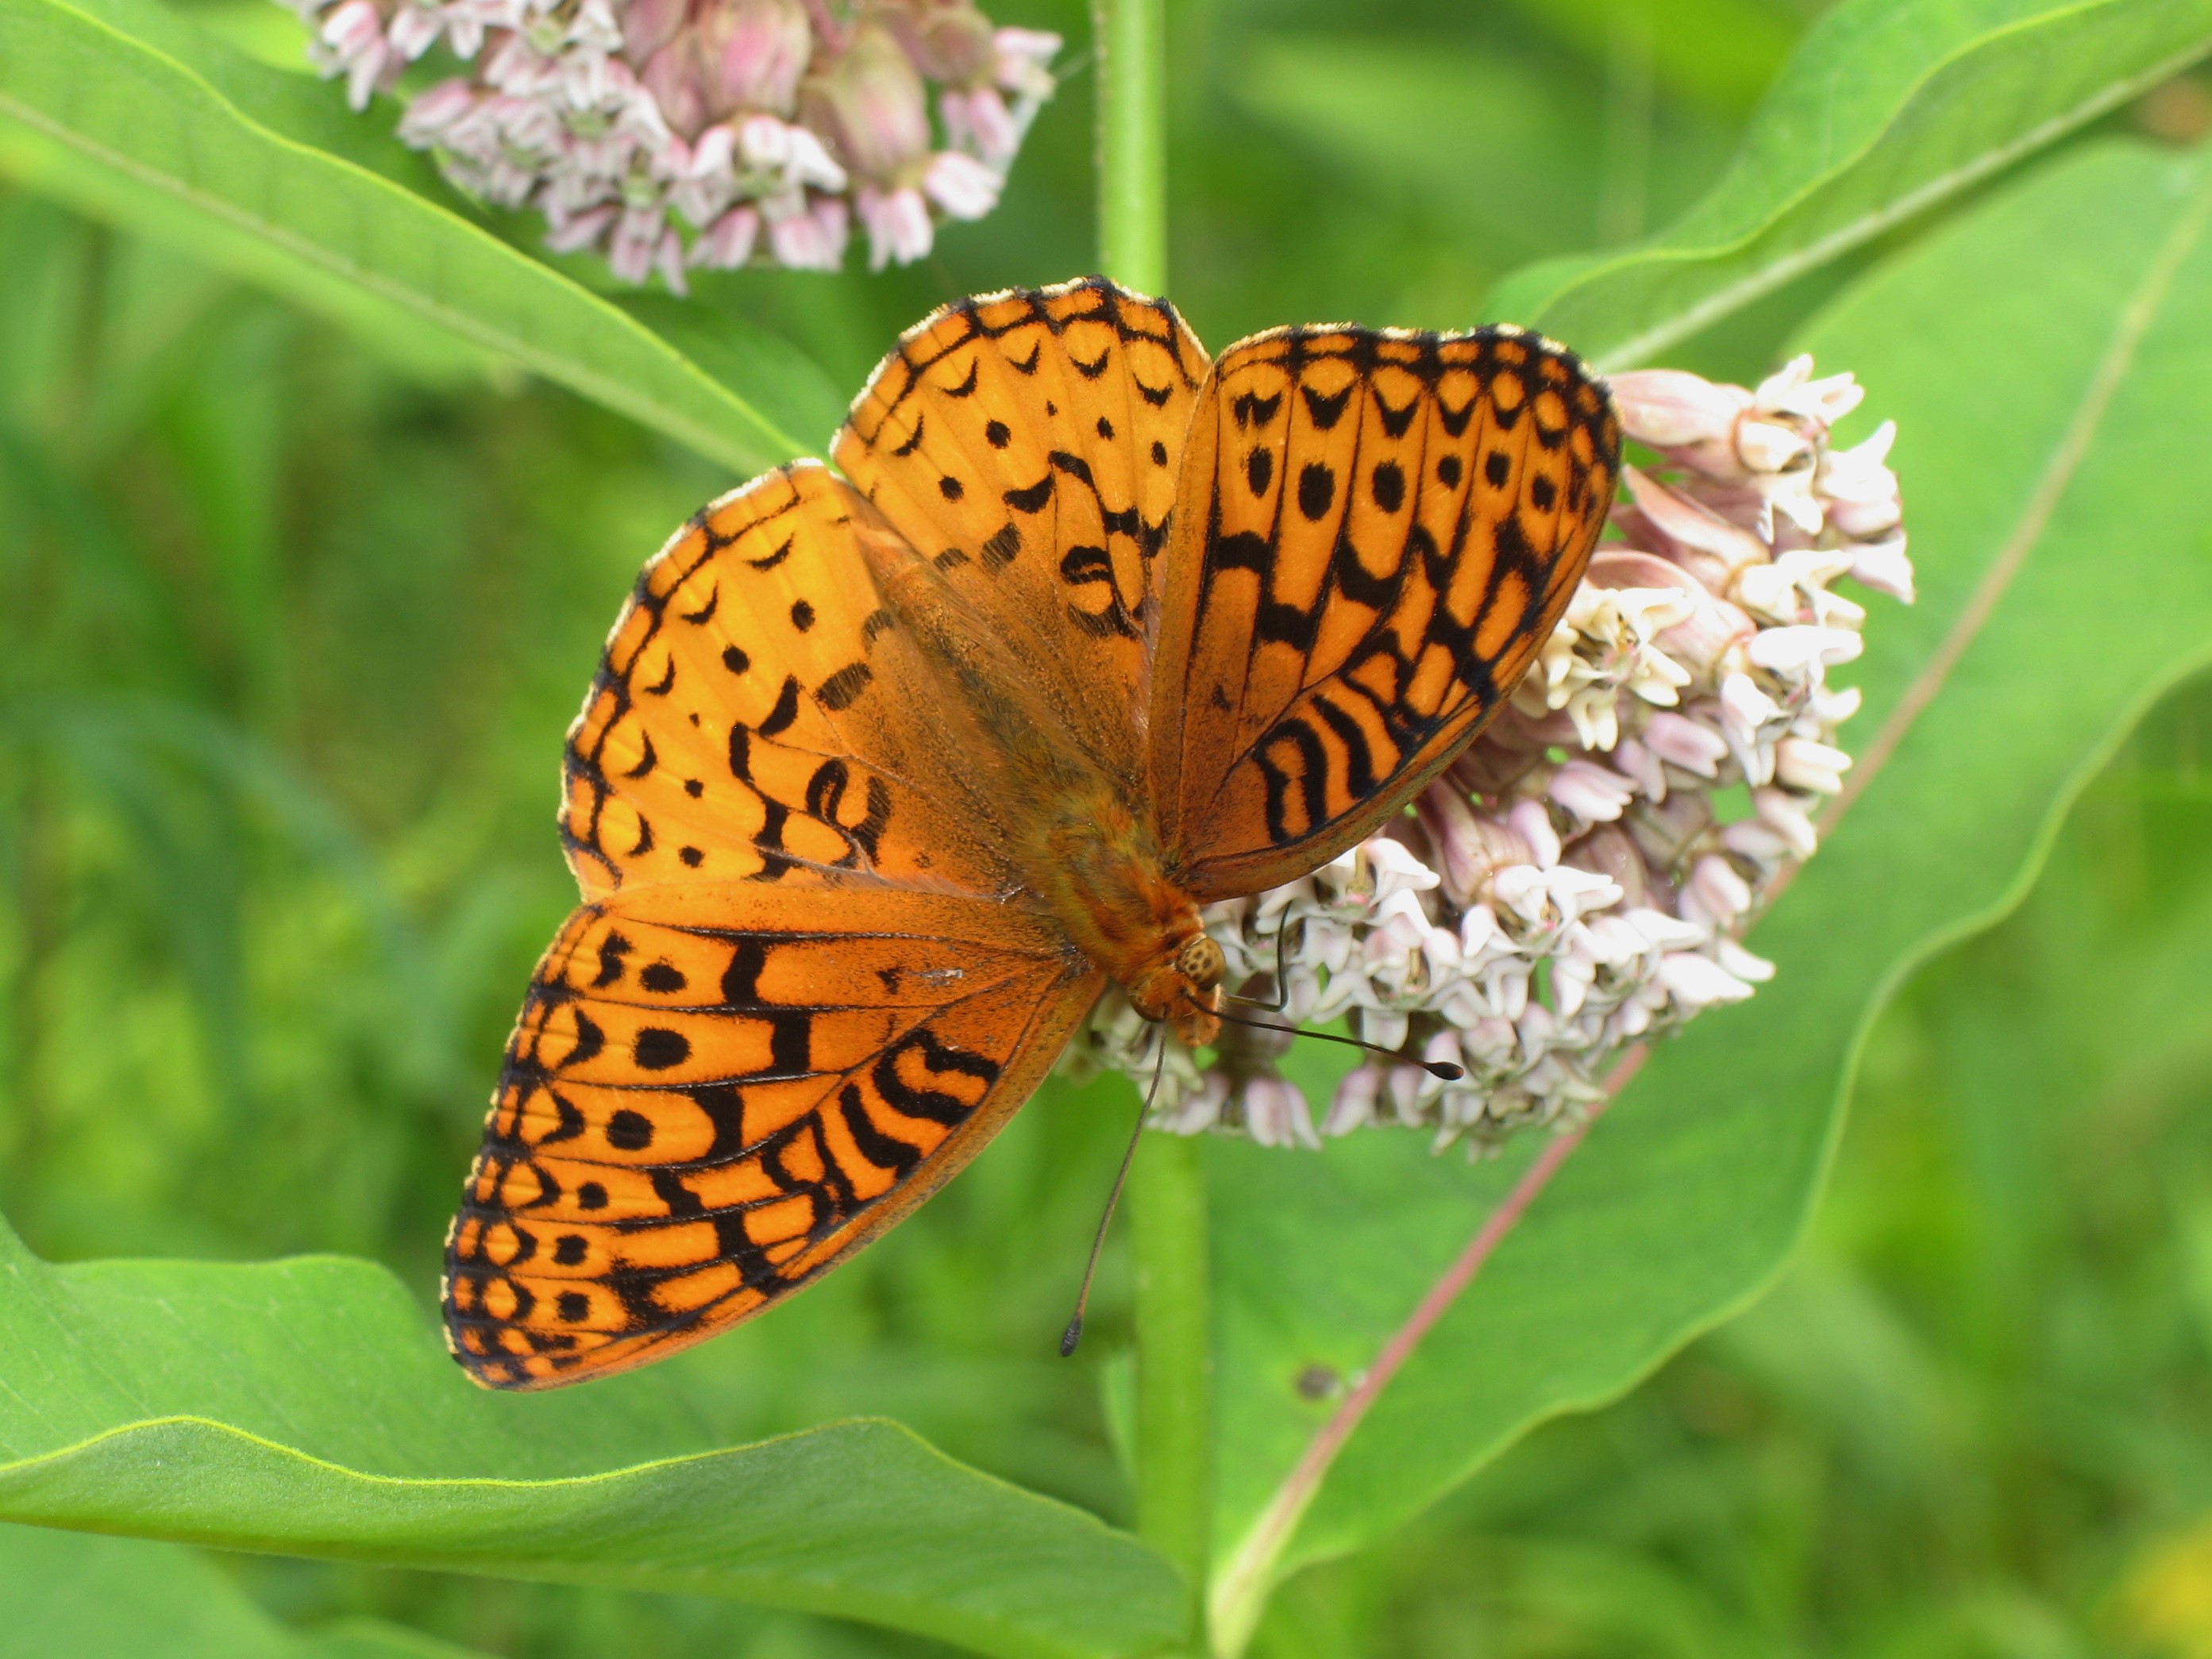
1167,1189
1131,41
1175,1357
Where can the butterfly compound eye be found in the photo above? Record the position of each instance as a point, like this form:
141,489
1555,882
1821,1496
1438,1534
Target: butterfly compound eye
1201,962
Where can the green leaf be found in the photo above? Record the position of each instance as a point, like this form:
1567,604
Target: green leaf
70,1596
1889,107
2048,360
307,1406
133,114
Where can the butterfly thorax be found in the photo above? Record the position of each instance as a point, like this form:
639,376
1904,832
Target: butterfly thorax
1093,857
1101,869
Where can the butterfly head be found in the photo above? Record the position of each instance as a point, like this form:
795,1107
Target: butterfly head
1183,987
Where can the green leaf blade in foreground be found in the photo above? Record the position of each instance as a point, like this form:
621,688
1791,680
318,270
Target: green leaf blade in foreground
2049,362
1889,107
306,1408
134,114
70,1596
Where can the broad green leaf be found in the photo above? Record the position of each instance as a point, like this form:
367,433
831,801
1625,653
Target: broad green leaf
1720,52
1889,107
74,1596
2049,362
306,1406
130,112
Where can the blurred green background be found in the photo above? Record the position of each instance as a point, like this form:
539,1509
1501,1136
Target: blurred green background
292,619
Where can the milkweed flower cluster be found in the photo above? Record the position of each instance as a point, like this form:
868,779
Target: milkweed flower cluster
672,134
1580,879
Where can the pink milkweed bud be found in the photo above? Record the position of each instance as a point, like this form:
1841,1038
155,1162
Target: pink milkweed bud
1610,851
1594,793
897,223
727,243
869,103
671,75
1469,845
752,54
1691,525
649,24
978,120
1670,407
960,185
1620,567
948,39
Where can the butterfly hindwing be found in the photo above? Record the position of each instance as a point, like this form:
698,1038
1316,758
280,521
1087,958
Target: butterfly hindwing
717,1091
1375,532
1027,443
756,715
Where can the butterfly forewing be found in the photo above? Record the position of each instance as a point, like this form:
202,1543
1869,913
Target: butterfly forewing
1375,532
756,715
1027,443
717,1090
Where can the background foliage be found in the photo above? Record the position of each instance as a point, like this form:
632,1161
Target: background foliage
297,598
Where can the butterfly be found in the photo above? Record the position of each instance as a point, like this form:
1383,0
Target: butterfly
883,777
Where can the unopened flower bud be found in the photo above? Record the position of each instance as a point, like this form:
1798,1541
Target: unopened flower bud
1785,815
948,39
978,120
1594,793
1670,407
1610,852
960,185
870,103
1689,743
1715,893
649,24
1469,845
1354,1105
811,237
897,223
1021,61
1276,1114
727,243
752,54
1533,825
1691,525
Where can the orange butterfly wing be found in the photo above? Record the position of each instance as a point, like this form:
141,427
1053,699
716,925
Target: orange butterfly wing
717,1090
1028,441
1375,532
807,987
756,716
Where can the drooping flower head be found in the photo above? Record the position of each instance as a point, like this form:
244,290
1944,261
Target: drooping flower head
674,134
1580,879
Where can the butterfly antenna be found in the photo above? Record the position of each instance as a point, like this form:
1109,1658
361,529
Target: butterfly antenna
1074,1334
1437,1068
1282,977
